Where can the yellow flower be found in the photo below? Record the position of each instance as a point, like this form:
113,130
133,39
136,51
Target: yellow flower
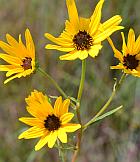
20,58
47,123
82,36
130,56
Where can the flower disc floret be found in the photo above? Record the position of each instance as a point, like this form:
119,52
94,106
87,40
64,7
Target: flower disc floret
27,63
52,123
82,41
130,62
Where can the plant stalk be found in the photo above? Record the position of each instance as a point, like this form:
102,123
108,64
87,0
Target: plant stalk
115,89
55,84
61,152
80,91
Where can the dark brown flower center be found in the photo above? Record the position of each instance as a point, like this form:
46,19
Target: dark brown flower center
52,123
27,63
131,62
82,41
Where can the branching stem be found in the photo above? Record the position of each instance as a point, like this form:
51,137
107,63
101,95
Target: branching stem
115,89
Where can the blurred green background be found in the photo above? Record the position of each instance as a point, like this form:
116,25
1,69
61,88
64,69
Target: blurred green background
115,139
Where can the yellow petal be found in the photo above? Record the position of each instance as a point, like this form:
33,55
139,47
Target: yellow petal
26,72
84,24
38,106
67,35
95,18
70,56
71,127
8,49
124,47
18,49
73,14
83,54
42,142
117,53
47,107
33,132
62,135
111,44
58,106
39,96
137,57
103,35
69,28
66,118
12,41
114,21
29,43
120,66
32,121
65,106
131,41
37,111
13,77
136,75
7,67
36,96
52,139
14,71
11,59
59,48
59,41
137,45
24,51
94,50
127,71
20,39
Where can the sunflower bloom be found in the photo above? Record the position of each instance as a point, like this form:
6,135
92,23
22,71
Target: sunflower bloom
47,122
20,58
130,56
83,36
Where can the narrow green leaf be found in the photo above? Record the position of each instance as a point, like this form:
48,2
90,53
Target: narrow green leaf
108,114
93,120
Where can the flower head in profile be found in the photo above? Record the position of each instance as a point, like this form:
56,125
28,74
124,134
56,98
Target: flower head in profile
20,57
129,57
47,122
83,36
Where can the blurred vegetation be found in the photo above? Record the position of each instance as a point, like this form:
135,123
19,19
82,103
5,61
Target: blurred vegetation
117,138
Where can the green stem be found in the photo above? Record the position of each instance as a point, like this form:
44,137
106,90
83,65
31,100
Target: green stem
61,152
53,82
67,148
80,91
115,89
